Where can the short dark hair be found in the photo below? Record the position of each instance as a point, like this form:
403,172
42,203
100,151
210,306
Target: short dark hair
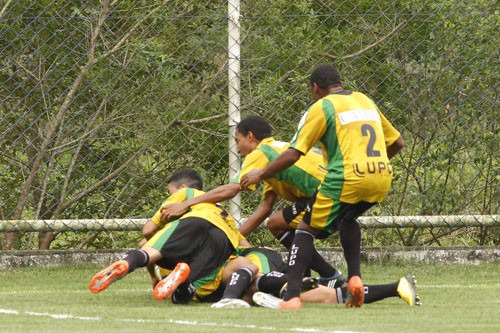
187,176
325,76
257,125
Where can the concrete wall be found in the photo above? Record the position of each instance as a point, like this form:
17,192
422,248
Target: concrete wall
459,255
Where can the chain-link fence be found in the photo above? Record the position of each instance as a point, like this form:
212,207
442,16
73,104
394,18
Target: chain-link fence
101,101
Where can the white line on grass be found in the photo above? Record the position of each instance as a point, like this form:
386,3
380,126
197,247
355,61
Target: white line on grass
169,321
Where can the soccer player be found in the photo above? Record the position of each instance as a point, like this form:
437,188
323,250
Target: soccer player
296,185
271,283
357,143
184,245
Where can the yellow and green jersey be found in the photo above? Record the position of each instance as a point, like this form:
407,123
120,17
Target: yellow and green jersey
354,136
299,181
208,211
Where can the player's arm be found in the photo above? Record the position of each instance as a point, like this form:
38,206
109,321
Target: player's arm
261,213
396,147
218,194
282,162
150,229
393,140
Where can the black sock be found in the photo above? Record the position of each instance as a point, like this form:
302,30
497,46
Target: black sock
299,259
136,259
238,283
350,238
183,293
271,282
375,292
286,239
319,264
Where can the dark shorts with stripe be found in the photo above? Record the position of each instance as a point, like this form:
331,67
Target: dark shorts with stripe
345,212
268,259
290,214
195,241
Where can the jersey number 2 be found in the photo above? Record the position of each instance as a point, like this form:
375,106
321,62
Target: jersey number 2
367,130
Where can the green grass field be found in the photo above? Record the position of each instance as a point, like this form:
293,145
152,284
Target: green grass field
456,298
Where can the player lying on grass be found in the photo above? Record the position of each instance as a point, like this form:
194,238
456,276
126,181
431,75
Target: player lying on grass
296,185
270,285
313,292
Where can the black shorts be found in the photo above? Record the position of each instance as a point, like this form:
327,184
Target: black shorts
298,209
291,212
195,241
266,259
347,212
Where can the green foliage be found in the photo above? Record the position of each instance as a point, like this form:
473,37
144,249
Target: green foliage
144,94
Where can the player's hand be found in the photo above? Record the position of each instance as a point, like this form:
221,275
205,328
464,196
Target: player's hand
253,177
171,211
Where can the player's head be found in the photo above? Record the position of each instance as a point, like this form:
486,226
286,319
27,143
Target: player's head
184,178
323,78
249,132
257,125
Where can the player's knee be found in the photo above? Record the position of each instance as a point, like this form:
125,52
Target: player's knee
276,224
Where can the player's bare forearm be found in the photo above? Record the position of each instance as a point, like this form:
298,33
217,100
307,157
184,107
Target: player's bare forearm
261,213
218,194
253,221
284,161
396,147
171,211
149,230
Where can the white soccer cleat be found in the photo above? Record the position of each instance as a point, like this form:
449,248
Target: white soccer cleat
266,300
231,303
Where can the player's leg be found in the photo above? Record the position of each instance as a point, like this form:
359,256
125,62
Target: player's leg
350,239
299,259
284,222
130,262
311,291
278,226
176,242
237,276
317,219
119,269
405,288
291,216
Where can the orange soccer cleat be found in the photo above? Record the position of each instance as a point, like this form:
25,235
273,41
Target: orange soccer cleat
166,287
110,274
355,292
